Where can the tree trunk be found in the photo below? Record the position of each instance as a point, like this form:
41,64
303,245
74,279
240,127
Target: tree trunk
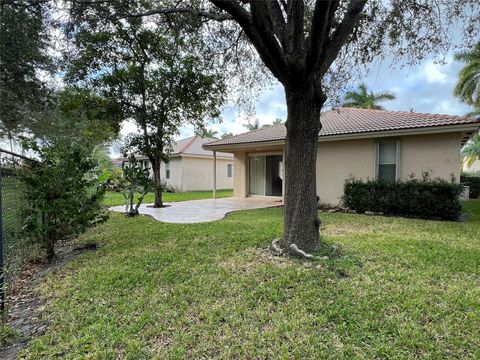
158,183
302,224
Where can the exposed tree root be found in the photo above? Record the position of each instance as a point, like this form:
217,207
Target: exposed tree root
275,248
293,249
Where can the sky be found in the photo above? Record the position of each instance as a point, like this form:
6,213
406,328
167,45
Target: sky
427,87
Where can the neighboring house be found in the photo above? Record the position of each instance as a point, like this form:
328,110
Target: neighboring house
190,167
365,144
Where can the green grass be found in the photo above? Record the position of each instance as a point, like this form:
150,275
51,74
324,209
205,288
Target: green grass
395,288
114,198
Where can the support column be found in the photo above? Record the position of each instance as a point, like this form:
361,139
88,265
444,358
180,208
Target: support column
214,174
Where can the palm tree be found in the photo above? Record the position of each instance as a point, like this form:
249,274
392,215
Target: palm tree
225,135
468,84
250,126
274,122
471,151
206,133
364,99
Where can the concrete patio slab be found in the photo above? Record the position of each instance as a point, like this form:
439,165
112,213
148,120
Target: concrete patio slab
198,211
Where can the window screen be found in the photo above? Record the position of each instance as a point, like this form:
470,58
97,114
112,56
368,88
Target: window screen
387,160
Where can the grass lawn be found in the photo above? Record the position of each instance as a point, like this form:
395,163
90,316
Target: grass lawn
394,288
113,198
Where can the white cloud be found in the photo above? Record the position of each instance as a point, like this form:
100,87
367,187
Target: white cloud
433,73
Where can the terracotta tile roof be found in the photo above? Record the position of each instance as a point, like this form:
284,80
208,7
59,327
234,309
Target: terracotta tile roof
344,121
194,146
189,146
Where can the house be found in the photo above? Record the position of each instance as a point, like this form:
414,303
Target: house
360,143
190,166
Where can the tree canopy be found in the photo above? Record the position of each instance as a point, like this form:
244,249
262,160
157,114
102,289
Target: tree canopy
24,40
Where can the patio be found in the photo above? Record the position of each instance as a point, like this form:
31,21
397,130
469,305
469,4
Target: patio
198,211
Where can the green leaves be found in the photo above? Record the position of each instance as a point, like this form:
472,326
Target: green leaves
418,198
364,99
136,180
468,84
64,190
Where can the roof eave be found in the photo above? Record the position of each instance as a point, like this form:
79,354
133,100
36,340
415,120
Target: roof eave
358,135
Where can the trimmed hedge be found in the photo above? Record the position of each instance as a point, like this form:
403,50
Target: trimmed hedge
474,183
431,199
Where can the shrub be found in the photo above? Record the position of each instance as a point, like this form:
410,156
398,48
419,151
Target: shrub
474,183
64,191
437,199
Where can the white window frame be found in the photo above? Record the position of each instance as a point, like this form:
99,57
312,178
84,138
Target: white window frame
229,170
397,157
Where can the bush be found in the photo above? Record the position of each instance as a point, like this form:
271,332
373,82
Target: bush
474,183
434,199
64,191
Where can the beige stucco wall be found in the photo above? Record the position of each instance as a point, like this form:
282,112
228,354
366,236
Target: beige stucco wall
339,160
240,174
197,174
437,153
189,173
176,169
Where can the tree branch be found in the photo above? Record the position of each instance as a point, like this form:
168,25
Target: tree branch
256,28
278,20
185,10
322,20
295,38
334,44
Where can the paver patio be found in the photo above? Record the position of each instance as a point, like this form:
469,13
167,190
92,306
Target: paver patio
198,211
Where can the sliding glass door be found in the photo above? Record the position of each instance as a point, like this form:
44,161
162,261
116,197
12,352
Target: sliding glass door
266,175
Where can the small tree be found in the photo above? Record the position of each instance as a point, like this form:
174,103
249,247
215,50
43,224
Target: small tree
158,78
64,191
137,180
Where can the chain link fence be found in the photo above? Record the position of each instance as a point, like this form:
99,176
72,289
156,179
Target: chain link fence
16,248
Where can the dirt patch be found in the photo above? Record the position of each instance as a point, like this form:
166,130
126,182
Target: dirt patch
253,258
25,305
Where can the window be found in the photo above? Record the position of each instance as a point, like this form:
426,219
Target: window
167,171
229,170
387,160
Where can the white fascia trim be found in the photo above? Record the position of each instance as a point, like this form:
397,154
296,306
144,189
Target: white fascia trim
194,156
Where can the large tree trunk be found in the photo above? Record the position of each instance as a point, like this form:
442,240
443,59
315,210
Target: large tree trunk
158,183
303,124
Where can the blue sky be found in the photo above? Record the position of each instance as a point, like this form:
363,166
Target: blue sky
427,87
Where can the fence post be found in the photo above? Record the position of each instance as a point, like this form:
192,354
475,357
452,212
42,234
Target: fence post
2,272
